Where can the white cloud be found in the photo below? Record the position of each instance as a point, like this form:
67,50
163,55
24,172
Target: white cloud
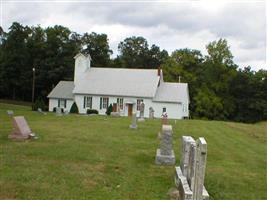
170,25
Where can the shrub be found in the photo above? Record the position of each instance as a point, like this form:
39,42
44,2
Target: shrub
39,103
91,111
55,109
74,108
109,110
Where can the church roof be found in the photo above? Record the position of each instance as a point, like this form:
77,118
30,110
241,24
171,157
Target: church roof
172,92
63,90
118,82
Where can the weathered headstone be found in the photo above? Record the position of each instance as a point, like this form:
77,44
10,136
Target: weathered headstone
21,130
10,113
190,175
187,142
165,155
151,113
164,119
39,110
133,124
197,185
58,111
66,112
115,114
142,112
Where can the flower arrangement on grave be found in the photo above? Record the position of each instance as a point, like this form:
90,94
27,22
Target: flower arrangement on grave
164,118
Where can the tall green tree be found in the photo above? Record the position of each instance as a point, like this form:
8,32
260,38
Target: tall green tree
219,52
14,60
249,91
185,65
218,72
155,57
98,47
135,53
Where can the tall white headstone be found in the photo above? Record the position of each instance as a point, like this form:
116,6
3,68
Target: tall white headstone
191,173
200,167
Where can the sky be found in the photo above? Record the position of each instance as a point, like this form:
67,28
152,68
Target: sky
170,24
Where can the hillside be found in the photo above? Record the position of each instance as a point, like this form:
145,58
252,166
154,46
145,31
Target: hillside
98,157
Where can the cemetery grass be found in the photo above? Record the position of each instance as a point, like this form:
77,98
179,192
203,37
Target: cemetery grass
98,157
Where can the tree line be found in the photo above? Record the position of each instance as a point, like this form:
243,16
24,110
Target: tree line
219,89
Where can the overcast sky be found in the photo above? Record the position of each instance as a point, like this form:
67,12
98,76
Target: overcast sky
168,24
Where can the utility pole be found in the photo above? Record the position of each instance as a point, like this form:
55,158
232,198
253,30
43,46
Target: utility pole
179,79
33,85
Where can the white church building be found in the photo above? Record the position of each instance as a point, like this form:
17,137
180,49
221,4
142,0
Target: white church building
125,89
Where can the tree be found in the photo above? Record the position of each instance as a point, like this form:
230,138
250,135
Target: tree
218,72
14,60
249,93
109,109
219,52
97,46
74,108
133,52
50,51
208,105
185,65
155,57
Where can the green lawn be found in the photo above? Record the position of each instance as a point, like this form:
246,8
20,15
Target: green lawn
98,157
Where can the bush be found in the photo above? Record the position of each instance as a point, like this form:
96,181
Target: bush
74,108
39,103
109,110
91,111
55,109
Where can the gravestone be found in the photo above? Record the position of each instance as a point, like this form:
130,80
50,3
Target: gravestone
142,112
115,114
151,113
58,111
21,130
10,113
164,119
190,175
39,110
133,124
66,112
165,155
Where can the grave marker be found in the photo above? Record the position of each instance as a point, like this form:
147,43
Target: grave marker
151,113
165,155
10,113
58,111
39,110
142,112
133,124
21,130
190,175
164,119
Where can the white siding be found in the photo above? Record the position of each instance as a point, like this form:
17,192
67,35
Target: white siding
174,110
54,103
82,63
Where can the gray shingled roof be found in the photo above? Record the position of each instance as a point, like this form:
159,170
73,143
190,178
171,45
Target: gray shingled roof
62,90
118,82
172,92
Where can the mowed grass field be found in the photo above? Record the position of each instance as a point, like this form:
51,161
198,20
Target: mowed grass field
98,157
